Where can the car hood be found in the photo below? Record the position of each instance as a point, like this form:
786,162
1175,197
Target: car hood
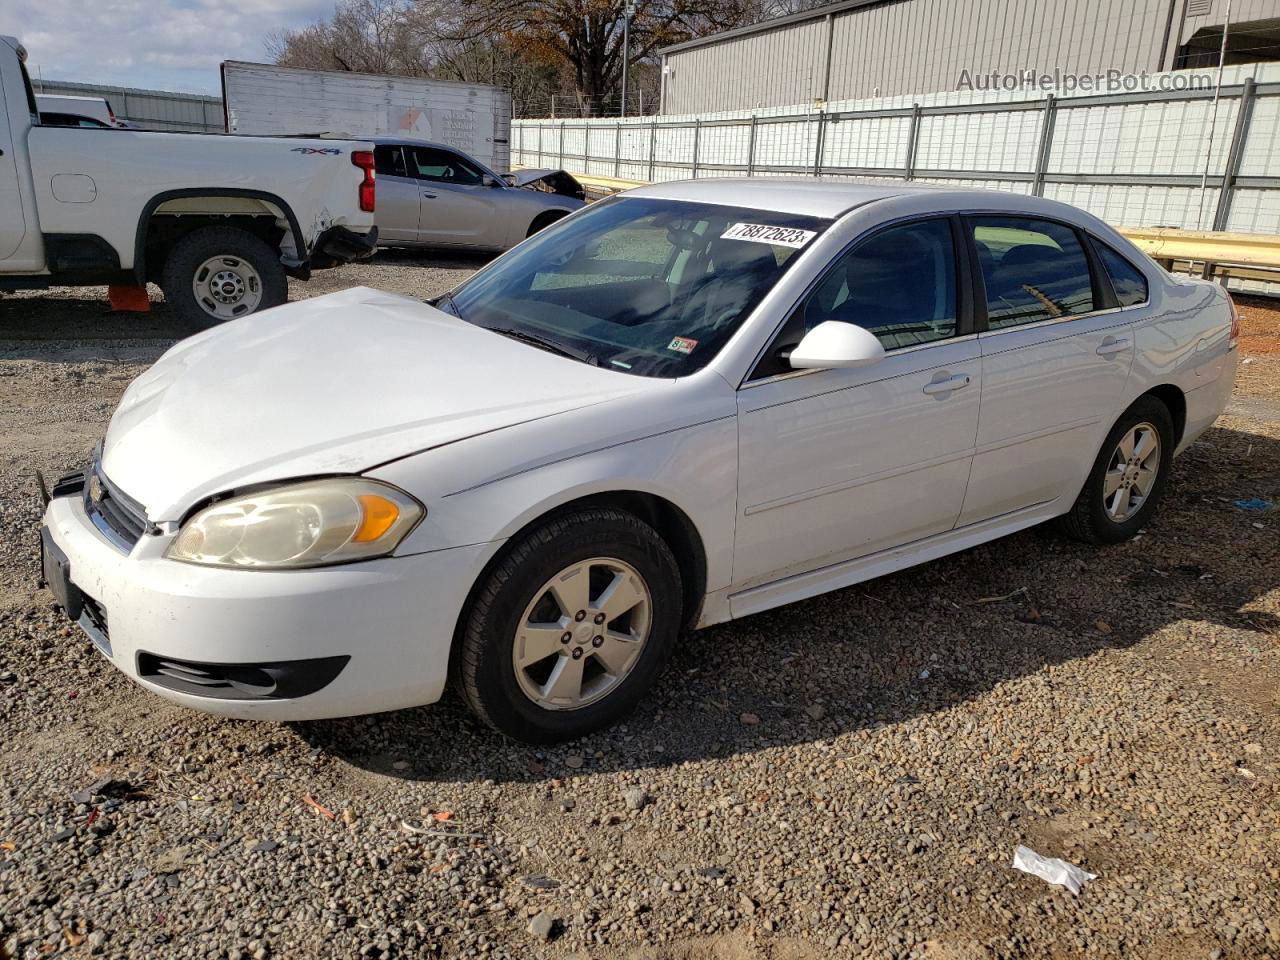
334,384
547,180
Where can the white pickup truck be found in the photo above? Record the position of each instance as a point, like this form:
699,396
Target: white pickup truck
217,221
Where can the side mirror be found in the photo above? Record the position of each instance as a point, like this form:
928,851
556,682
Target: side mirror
835,344
488,181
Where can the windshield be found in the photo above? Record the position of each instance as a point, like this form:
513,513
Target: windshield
646,286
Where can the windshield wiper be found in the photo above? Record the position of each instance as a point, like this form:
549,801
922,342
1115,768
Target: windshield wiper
445,303
549,345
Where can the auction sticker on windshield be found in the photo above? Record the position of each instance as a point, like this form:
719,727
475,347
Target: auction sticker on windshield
682,344
762,233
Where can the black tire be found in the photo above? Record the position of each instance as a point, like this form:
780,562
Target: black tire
197,247
1088,520
544,220
486,673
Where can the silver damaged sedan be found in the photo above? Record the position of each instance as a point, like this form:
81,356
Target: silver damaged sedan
432,195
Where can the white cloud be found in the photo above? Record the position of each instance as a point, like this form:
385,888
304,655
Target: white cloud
167,44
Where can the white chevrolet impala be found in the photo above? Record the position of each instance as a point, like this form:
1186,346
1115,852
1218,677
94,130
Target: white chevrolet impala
684,405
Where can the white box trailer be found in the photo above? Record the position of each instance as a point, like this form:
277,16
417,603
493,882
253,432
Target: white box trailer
260,98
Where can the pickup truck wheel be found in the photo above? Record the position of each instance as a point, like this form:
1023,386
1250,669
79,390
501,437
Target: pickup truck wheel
571,627
216,274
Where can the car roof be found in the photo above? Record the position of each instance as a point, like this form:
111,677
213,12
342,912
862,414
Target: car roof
816,197
411,142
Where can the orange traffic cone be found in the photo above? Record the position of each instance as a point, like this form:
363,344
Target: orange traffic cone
128,298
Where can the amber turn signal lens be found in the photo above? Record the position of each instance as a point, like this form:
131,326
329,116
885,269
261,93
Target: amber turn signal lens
377,516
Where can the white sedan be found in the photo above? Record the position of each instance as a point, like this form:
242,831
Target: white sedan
681,406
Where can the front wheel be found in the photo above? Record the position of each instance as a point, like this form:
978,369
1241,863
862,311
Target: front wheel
571,627
544,220
216,274
1127,479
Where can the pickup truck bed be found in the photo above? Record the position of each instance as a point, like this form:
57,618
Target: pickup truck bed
216,220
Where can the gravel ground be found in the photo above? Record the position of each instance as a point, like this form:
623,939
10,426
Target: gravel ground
847,776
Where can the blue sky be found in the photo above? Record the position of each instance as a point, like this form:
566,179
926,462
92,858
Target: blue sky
161,44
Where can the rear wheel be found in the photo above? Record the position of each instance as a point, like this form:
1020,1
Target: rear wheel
216,274
572,626
1128,478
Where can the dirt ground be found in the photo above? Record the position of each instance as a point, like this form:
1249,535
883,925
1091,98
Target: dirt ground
848,776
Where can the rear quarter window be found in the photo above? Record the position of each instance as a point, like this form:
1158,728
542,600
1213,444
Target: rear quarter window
1126,279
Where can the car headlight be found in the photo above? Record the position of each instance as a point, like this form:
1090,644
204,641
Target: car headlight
299,525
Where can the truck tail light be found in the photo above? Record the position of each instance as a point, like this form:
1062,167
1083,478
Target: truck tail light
364,160
1235,321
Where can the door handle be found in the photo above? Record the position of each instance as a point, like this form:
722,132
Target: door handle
429,196
935,387
1112,346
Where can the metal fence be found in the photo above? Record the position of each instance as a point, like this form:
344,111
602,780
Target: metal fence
1197,159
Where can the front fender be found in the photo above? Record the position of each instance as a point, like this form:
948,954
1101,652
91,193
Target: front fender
694,468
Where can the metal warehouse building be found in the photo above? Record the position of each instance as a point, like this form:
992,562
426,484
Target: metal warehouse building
871,48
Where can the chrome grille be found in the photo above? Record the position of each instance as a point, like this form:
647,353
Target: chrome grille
120,519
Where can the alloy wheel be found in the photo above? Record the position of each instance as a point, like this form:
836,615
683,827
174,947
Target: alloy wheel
1131,474
582,634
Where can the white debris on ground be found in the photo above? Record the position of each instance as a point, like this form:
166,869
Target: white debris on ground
1051,870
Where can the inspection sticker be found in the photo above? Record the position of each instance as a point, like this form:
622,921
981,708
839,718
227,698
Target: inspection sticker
682,344
761,233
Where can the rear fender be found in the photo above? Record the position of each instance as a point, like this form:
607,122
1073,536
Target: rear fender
293,249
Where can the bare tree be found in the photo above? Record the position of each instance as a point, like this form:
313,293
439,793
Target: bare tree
783,8
364,36
539,49
586,36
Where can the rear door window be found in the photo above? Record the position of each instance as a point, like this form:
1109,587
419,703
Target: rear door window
1126,279
1032,269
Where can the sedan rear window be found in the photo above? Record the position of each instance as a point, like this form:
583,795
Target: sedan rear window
1033,270
642,285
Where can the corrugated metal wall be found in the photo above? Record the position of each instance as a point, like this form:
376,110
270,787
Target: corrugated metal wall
922,46
762,70
876,51
152,109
